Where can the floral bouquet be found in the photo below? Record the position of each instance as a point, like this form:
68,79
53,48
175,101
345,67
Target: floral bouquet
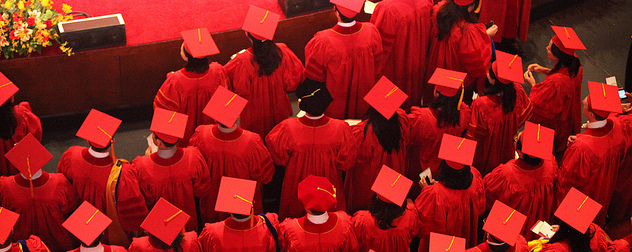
30,25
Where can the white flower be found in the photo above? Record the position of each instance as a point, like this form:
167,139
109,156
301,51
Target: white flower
5,16
3,41
34,14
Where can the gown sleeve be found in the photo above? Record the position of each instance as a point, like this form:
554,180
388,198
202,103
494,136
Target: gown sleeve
293,74
263,168
167,96
279,144
315,59
347,153
475,49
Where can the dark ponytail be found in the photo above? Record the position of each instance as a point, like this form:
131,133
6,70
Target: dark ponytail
565,60
385,212
448,115
8,123
450,13
267,55
196,65
388,132
507,92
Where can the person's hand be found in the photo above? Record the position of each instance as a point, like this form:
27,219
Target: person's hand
626,107
148,151
628,97
423,184
528,77
538,69
555,228
491,31
571,139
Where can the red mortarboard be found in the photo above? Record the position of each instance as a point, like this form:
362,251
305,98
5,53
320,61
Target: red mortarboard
98,128
165,221
199,43
8,219
261,23
578,210
537,140
446,243
504,223
567,40
225,106
235,195
168,125
457,151
87,223
385,97
391,186
604,98
28,156
508,68
7,89
447,82
348,8
317,193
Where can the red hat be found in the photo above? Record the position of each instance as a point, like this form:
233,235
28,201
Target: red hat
165,221
446,243
391,186
537,140
87,223
567,40
578,210
261,23
317,193
348,8
7,89
235,195
457,151
463,2
28,156
225,106
604,99
448,82
8,219
98,128
199,43
504,223
168,125
385,97
508,68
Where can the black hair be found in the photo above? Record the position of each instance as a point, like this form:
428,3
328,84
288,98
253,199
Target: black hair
176,245
168,145
240,216
385,212
8,123
597,116
344,18
565,60
267,55
387,131
577,241
455,179
533,161
104,149
196,65
507,91
318,212
450,13
449,115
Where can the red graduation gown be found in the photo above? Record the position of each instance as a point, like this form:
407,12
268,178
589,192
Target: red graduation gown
598,243
621,245
370,236
33,244
621,203
239,154
336,234
144,244
405,26
528,189
188,93
371,157
177,179
349,60
557,105
43,214
106,248
592,162
451,212
230,235
27,122
511,17
494,130
520,246
268,102
322,147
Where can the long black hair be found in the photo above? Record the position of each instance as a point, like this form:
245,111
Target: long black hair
176,245
565,60
267,55
385,212
455,179
448,115
450,13
196,65
387,131
507,92
578,242
8,123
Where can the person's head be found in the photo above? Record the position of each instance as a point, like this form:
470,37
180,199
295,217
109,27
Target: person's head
196,65
562,59
176,245
266,53
313,97
240,216
317,194
385,212
453,11
447,106
342,18
387,131
94,243
589,113
456,179
577,241
495,244
533,161
161,144
97,149
8,123
506,91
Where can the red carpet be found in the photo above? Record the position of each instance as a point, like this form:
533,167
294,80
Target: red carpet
148,21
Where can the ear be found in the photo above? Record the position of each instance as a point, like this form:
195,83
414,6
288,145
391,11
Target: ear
158,142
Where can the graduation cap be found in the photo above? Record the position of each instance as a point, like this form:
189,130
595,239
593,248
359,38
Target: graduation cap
504,223
567,40
457,151
385,97
391,186
199,43
603,98
348,8
98,128
8,219
578,210
448,82
508,68
165,221
313,97
168,125
317,193
235,196
537,140
468,2
87,223
225,106
28,156
446,243
261,23
7,89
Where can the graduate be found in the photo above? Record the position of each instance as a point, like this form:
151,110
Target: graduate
512,19
243,230
348,58
405,27
320,229
8,219
230,151
188,90
88,223
16,121
313,144
502,228
527,184
452,204
556,101
591,163
263,74
381,139
104,181
180,175
391,221
43,200
498,114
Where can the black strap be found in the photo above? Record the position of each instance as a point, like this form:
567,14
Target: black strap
275,235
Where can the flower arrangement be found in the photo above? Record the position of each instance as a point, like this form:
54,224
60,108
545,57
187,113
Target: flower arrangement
30,25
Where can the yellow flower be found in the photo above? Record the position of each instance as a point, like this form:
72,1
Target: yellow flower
8,4
45,3
21,5
66,8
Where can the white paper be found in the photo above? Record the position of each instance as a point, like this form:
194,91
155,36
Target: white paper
150,143
612,80
426,173
542,228
353,122
369,7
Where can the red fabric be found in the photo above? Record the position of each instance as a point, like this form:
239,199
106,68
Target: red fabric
599,242
42,215
229,235
322,147
106,248
296,234
520,246
557,105
397,238
143,244
494,130
527,189
188,93
177,179
371,157
240,154
621,245
621,203
451,212
130,202
592,162
404,26
349,61
33,243
268,102
511,17
27,122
